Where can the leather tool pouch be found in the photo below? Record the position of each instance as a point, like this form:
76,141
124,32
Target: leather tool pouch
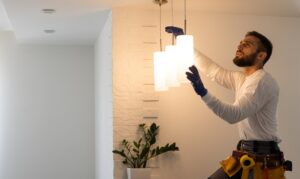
231,165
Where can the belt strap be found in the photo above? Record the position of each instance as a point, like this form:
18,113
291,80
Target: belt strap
262,147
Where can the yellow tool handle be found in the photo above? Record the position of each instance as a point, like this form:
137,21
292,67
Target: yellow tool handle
247,163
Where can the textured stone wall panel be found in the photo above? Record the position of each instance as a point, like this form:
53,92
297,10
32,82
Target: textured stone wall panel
135,38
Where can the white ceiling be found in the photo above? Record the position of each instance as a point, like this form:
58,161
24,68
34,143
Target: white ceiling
80,21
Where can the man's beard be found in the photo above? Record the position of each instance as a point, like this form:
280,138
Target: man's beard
245,61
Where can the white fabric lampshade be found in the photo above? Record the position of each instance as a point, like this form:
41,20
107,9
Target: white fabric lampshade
185,51
171,66
160,75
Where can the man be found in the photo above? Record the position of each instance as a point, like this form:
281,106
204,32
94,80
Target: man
254,109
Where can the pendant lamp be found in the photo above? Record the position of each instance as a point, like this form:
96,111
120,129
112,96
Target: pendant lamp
159,59
185,46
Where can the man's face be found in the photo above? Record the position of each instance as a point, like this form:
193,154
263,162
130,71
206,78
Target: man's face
247,52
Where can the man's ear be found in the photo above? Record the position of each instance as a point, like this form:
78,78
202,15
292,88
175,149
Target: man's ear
262,55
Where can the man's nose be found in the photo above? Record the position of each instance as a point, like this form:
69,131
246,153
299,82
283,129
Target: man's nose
240,47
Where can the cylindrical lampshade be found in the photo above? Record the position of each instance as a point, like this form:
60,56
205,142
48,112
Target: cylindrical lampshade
171,66
185,51
160,75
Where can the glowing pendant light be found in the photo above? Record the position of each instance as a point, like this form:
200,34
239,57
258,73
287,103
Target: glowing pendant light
171,59
159,59
171,66
160,75
185,46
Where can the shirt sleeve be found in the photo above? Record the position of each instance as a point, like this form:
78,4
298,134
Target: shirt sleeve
247,105
223,77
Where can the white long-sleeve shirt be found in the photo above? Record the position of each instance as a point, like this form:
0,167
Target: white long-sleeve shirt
256,99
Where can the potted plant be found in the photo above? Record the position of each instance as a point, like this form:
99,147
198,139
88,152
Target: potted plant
136,154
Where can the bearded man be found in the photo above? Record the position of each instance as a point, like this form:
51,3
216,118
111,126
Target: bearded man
254,110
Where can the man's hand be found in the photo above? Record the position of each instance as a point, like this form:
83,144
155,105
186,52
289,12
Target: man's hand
195,79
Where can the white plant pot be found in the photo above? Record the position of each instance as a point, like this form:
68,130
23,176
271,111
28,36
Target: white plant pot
139,173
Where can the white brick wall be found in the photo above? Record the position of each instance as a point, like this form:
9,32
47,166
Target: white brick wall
135,38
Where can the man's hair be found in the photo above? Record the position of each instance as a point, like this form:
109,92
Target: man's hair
265,43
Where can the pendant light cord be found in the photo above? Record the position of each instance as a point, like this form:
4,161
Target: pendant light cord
173,36
172,12
185,17
160,40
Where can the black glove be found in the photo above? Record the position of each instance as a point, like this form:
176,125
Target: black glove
174,30
195,79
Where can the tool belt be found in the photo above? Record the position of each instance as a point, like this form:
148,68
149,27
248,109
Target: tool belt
258,147
267,162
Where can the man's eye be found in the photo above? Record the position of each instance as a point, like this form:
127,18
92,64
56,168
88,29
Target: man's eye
245,44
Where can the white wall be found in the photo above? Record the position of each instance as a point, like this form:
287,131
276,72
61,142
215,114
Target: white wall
203,138
103,102
47,111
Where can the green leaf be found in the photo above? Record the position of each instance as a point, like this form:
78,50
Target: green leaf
153,127
119,152
124,142
142,125
136,144
157,150
136,151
